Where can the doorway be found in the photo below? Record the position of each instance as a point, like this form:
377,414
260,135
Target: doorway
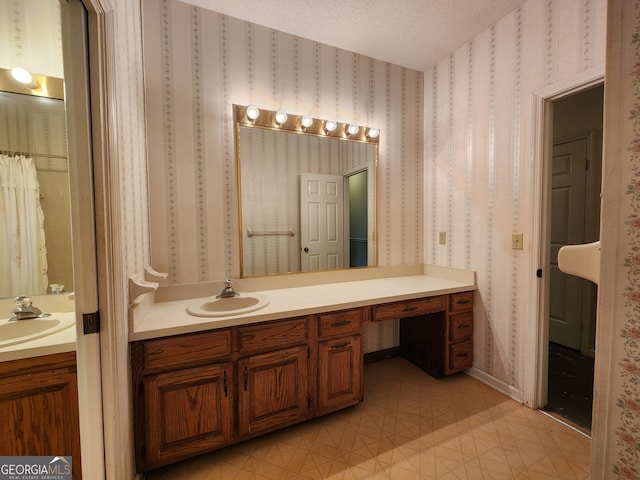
574,196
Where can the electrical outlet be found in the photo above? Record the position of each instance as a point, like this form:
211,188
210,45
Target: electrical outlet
443,238
516,241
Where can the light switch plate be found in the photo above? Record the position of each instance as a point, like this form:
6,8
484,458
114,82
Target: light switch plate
442,239
516,241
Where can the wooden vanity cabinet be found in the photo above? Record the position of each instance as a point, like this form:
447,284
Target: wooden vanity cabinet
273,388
340,360
39,408
436,333
273,391
197,392
459,333
187,411
184,396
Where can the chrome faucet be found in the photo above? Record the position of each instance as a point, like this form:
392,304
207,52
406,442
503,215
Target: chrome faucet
25,310
227,291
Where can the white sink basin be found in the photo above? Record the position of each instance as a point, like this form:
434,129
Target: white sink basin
227,307
13,332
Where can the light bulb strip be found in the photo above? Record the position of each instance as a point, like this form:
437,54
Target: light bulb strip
280,120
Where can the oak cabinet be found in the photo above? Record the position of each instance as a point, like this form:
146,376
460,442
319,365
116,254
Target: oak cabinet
459,333
39,408
201,391
273,390
339,373
340,360
198,392
186,412
436,333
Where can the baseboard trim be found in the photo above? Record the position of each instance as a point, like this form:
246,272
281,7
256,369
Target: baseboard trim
503,387
381,354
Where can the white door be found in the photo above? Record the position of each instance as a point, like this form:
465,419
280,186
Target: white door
75,57
321,222
568,201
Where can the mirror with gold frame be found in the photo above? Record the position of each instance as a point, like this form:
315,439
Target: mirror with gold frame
306,193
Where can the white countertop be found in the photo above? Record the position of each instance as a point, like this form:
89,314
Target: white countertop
59,342
60,306
171,317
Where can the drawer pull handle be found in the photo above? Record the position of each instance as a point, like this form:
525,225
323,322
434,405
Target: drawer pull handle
463,355
246,378
463,325
410,309
226,388
341,324
463,302
340,345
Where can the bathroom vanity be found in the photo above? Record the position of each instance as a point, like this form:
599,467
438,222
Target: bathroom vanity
235,379
39,407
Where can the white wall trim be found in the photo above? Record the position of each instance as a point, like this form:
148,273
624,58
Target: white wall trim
536,328
497,384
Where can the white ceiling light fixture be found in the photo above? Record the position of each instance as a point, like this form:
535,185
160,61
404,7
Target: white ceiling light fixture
22,75
353,129
373,133
281,117
306,122
253,112
330,126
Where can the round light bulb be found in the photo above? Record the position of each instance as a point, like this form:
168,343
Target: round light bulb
373,133
330,125
281,117
306,122
22,75
353,129
253,112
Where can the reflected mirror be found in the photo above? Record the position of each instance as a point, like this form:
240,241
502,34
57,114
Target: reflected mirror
307,195
34,177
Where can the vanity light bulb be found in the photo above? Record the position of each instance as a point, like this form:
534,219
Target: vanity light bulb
330,125
373,133
306,122
253,112
21,75
281,117
353,129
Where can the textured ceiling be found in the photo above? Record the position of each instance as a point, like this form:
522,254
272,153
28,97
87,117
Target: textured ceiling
411,33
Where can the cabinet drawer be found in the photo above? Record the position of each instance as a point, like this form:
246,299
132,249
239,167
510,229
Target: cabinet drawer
461,355
460,326
186,350
460,302
340,323
264,337
408,308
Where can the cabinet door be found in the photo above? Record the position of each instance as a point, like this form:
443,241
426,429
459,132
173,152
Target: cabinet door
273,390
187,412
39,416
339,373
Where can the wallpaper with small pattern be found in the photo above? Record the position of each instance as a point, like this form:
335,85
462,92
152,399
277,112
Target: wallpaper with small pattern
479,145
198,63
477,157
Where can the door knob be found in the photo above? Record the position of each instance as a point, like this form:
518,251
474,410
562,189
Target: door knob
306,249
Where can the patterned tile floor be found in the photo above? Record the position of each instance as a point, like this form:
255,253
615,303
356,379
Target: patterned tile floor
410,426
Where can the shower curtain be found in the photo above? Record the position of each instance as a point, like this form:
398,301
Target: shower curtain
23,259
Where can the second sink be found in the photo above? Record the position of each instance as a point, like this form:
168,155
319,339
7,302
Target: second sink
225,307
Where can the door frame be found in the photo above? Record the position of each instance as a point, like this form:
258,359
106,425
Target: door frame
83,223
111,368
537,328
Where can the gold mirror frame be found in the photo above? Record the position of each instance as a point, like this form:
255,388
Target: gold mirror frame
276,237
